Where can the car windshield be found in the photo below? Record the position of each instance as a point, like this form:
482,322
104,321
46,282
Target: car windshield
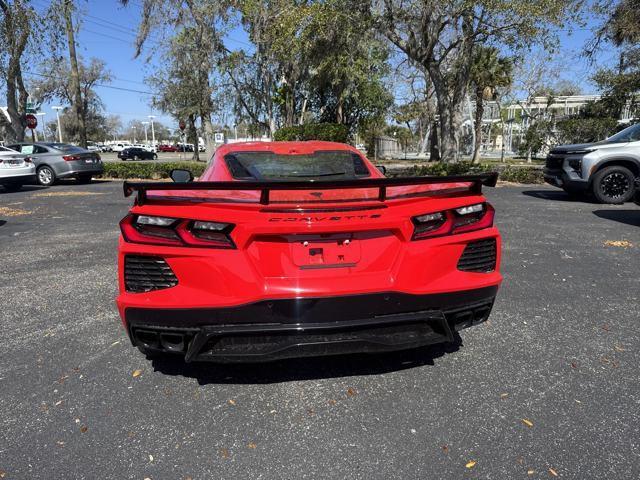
65,147
629,134
320,165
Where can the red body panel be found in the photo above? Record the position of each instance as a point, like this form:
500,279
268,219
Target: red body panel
283,253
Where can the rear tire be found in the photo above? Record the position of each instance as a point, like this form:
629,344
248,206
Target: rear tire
613,184
155,157
12,187
136,158
46,176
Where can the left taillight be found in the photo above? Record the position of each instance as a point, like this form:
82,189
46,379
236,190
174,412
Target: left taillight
70,158
448,222
178,232
28,160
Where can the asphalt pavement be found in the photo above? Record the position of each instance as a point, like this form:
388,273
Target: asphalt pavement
550,386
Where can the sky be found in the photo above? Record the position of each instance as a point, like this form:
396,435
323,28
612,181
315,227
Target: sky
108,32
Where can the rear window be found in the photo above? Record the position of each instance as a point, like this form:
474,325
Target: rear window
320,165
65,147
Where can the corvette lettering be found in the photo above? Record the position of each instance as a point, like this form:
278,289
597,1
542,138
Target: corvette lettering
324,219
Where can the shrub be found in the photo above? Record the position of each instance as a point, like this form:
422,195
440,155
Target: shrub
523,174
329,132
152,170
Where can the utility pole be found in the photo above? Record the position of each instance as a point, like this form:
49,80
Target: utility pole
153,133
78,105
44,133
134,133
57,109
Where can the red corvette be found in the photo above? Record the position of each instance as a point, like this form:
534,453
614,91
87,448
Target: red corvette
289,249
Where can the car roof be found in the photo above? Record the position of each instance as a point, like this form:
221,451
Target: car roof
284,147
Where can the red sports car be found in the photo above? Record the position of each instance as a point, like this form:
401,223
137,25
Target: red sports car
290,249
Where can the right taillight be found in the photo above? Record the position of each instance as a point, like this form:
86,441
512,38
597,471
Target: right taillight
448,222
177,232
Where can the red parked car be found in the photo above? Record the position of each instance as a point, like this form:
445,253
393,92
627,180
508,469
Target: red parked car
290,249
167,148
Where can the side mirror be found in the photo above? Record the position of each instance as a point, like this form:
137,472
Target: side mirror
382,169
179,175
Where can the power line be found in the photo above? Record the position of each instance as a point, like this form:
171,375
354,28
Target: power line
101,85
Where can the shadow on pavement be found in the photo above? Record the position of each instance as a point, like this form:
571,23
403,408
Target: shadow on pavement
25,188
313,368
557,195
2,222
628,217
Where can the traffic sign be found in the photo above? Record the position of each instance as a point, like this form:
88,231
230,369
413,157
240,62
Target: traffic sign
32,121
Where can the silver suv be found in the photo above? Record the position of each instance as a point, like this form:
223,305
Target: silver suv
608,169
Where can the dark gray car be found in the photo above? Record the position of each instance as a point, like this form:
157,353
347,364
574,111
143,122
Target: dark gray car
60,160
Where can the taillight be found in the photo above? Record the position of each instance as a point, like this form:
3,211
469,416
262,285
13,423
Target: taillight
70,158
448,222
176,232
26,160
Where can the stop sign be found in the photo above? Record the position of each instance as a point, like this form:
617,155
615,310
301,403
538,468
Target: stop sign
182,125
32,121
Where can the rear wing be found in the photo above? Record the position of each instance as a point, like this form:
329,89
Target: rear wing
476,182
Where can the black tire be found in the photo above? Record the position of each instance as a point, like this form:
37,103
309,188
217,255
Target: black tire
84,178
46,176
613,184
136,158
12,187
155,157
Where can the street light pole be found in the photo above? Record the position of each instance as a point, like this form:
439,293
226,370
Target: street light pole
57,109
44,133
153,133
146,139
134,133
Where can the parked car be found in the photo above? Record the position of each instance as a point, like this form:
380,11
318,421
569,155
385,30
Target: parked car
118,147
312,252
606,169
136,153
93,147
15,169
60,160
167,148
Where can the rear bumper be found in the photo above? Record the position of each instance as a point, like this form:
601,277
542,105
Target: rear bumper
298,327
22,178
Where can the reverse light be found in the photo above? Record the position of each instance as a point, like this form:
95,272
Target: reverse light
449,222
152,230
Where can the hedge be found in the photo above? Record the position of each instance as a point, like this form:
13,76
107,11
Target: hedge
157,171
508,173
151,170
329,132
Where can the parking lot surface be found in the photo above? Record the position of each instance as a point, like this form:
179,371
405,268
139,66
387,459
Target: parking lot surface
548,387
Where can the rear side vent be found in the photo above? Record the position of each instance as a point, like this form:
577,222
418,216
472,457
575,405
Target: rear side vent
144,274
479,256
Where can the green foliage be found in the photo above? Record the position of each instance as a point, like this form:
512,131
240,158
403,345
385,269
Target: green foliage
585,130
521,174
329,132
149,170
538,136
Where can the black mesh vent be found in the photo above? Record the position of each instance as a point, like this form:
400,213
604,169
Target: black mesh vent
479,256
143,274
554,162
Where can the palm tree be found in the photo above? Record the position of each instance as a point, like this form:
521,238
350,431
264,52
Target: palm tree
489,72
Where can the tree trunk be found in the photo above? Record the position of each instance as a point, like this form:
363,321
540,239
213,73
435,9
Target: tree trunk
478,125
75,76
209,135
450,121
193,137
434,147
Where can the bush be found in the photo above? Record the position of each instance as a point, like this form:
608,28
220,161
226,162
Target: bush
151,171
329,132
523,174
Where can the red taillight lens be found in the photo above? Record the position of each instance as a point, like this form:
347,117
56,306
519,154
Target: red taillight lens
70,158
176,232
26,159
459,220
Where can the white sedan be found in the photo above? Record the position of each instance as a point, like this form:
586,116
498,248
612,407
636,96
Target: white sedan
16,169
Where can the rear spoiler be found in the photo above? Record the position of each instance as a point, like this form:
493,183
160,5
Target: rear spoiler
477,181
